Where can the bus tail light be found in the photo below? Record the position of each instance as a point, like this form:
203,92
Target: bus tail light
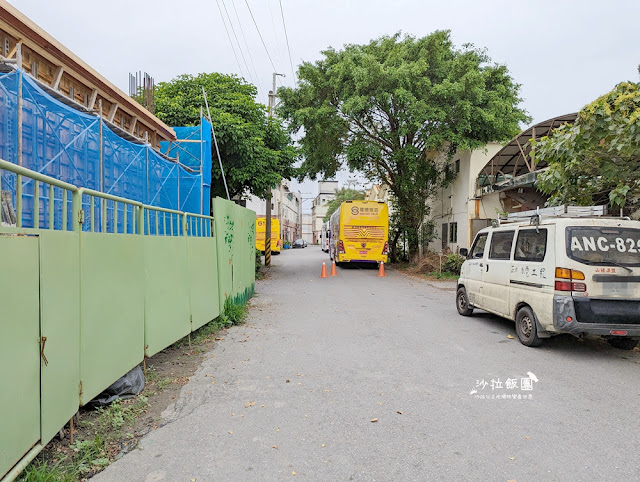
341,247
385,250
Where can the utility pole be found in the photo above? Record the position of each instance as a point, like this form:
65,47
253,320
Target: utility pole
267,228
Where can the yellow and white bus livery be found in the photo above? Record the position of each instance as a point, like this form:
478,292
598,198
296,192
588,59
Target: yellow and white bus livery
359,232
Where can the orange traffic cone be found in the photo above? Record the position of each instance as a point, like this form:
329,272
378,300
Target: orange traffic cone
381,270
333,268
323,273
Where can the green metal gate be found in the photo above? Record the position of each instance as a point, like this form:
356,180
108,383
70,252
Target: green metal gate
19,348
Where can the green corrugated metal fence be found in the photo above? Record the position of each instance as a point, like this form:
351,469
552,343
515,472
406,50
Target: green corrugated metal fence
84,303
235,241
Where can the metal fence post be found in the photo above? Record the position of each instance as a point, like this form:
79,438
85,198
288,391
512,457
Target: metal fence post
179,208
76,206
19,65
140,219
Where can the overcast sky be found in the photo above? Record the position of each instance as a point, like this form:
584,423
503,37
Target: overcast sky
565,53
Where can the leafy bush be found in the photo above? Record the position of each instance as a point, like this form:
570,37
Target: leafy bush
453,263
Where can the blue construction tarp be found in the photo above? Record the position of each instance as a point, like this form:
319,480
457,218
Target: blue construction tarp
65,143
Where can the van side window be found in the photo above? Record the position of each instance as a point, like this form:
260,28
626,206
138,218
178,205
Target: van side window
531,245
477,251
501,245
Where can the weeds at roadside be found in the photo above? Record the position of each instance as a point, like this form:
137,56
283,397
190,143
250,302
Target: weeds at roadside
164,383
150,374
47,472
120,413
88,458
445,276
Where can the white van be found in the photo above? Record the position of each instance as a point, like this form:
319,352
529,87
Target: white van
552,275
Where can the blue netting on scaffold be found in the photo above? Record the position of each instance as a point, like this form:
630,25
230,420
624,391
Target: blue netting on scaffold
193,149
64,143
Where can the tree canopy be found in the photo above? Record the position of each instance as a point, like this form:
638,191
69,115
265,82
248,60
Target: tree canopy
256,151
595,160
343,194
397,109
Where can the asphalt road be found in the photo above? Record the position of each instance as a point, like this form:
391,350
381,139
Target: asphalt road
297,389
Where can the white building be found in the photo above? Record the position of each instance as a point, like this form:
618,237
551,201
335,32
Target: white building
307,228
456,211
489,182
326,192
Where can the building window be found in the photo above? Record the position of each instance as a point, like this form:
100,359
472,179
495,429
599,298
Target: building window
457,166
445,235
453,233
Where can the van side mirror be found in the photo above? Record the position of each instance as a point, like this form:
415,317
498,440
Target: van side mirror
464,252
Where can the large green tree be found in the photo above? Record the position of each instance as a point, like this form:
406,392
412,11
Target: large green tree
256,151
343,194
596,159
397,109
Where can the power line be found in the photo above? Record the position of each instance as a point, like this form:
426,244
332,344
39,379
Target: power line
287,39
245,39
229,37
239,46
265,45
275,33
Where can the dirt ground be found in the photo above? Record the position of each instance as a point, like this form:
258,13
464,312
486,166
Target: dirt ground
165,374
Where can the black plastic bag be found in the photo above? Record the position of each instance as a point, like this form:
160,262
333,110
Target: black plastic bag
127,386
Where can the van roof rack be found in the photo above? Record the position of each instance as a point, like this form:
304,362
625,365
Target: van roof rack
564,211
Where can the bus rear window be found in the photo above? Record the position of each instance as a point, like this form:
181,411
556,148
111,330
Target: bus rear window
600,245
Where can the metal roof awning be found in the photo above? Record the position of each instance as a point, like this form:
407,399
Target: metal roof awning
512,166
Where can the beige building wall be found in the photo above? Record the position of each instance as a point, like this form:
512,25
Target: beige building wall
456,207
307,228
326,192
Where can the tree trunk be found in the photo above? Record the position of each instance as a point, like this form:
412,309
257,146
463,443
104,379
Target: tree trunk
394,246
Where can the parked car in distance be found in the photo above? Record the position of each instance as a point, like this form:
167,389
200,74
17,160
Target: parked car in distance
298,243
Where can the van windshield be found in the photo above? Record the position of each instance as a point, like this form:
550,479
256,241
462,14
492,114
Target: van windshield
604,245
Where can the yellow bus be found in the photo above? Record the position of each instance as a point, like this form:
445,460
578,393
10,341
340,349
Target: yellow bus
359,232
261,227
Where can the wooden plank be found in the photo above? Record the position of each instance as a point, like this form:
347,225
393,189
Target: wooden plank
112,112
132,127
57,77
92,99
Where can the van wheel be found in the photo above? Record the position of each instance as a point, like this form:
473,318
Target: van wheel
462,302
623,343
526,327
